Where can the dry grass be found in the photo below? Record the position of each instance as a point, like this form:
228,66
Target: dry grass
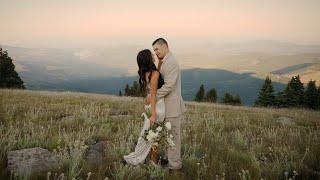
218,141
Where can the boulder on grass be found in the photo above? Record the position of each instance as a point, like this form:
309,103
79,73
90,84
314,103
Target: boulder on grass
32,160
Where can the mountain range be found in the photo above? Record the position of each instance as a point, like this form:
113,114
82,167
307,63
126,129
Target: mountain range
238,68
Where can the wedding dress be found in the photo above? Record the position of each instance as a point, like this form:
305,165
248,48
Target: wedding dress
143,147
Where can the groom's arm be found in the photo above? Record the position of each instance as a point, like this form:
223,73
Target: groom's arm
170,79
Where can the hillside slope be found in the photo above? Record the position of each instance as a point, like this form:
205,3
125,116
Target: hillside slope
223,81
217,140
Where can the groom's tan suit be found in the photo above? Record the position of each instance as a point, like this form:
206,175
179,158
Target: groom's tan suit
171,92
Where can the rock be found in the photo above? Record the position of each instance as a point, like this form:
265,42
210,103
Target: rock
286,120
95,153
32,160
118,112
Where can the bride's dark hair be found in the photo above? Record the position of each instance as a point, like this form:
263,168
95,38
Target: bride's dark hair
145,63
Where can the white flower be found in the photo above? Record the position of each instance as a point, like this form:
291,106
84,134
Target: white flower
168,125
156,134
147,107
170,142
151,135
159,128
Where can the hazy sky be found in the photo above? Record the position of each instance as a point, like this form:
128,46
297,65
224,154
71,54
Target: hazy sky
50,22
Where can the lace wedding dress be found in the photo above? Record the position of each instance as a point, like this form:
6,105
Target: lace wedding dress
143,147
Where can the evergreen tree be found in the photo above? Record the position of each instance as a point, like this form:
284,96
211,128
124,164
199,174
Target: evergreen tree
237,100
9,78
311,95
211,95
127,90
229,99
133,90
120,93
266,95
294,92
200,94
280,100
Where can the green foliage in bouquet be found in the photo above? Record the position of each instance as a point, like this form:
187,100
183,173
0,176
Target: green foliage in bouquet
158,134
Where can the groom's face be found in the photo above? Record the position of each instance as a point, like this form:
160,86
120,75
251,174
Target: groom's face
159,50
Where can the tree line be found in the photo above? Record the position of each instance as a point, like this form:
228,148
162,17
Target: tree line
133,90
294,95
211,96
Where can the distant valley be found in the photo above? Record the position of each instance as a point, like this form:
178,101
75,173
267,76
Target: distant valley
239,68
223,81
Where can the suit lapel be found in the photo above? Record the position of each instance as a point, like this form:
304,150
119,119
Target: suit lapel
162,69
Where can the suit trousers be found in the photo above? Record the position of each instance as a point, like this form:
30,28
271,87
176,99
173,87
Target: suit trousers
174,153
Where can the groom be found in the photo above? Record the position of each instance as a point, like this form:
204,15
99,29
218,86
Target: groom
171,92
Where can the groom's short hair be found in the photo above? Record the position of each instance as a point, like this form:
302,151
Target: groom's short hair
160,41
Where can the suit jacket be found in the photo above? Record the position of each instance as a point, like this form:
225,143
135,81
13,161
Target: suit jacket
171,90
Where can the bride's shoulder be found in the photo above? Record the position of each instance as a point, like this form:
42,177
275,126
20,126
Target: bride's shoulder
155,75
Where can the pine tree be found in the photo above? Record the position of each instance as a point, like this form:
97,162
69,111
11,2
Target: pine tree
311,95
120,93
200,94
211,95
135,89
318,102
266,95
294,92
9,78
126,90
280,100
229,99
237,100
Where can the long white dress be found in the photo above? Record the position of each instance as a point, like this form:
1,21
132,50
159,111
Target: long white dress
143,147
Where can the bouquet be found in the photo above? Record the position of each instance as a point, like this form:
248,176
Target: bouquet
158,133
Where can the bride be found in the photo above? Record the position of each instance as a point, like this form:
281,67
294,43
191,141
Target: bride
150,80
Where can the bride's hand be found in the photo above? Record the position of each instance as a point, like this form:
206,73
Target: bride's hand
153,119
147,101
159,64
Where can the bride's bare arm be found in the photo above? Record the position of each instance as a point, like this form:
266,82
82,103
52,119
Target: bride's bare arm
159,65
153,94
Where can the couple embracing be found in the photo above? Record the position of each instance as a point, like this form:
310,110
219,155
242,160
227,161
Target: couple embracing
162,84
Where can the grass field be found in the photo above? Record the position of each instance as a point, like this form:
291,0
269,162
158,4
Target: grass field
218,141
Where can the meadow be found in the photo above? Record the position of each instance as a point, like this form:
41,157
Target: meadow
218,141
